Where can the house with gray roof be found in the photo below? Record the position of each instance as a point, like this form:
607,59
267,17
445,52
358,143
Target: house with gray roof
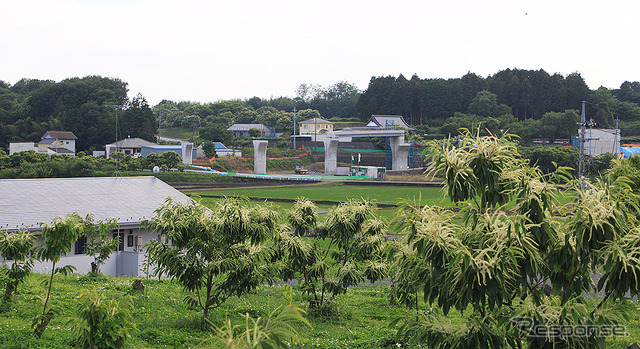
29,203
52,142
242,130
128,146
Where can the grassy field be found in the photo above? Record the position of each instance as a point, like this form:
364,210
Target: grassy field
340,192
359,319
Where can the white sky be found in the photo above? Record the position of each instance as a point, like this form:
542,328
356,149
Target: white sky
211,50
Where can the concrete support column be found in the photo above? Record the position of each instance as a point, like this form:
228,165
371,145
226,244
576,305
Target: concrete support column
330,156
399,153
260,156
401,158
187,153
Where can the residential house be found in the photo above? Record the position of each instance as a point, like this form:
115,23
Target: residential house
315,126
52,142
128,146
242,130
130,200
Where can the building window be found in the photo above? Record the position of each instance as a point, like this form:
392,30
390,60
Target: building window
121,244
129,240
81,245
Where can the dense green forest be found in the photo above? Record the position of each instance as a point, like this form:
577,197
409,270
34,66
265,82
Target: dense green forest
530,103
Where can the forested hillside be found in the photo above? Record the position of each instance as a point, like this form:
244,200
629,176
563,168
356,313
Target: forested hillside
82,105
523,94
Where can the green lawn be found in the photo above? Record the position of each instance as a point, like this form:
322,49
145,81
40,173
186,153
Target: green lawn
358,319
340,192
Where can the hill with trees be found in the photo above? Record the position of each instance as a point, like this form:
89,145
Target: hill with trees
530,103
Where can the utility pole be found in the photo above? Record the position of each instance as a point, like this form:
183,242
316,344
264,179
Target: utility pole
294,128
582,140
116,107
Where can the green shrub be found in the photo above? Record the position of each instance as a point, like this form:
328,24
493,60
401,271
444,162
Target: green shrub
104,324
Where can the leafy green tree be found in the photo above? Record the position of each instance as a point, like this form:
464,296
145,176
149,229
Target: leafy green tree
59,238
510,272
255,133
485,104
209,149
100,245
104,323
213,253
354,250
170,159
138,120
216,132
16,246
626,169
278,330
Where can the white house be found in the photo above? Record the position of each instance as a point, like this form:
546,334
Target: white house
130,200
52,142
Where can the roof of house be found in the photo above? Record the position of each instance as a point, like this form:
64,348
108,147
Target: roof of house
47,141
131,143
60,135
245,127
61,150
28,202
388,121
162,147
315,121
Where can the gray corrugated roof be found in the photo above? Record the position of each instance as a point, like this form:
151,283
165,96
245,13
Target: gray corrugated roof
47,141
245,127
60,150
27,202
60,135
132,143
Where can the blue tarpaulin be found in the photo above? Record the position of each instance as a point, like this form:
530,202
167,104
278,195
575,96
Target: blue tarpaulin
629,151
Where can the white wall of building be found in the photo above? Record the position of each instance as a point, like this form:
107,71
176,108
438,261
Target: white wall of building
602,141
129,262
21,146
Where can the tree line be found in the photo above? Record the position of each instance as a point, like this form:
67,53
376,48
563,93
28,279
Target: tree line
85,106
530,103
523,94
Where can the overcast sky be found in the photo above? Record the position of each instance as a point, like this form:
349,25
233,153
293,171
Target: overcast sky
211,50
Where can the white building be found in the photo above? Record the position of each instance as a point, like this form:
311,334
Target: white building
52,142
601,141
130,200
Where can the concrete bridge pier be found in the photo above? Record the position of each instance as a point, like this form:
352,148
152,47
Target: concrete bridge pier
331,156
260,157
399,153
187,153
